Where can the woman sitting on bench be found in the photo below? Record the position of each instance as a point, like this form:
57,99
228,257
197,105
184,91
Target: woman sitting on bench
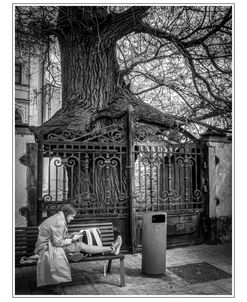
54,244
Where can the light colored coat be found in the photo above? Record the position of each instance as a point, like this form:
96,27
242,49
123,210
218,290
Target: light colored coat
53,266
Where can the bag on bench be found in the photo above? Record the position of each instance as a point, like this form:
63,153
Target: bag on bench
92,237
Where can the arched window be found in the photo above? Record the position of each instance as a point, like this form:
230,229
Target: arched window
18,117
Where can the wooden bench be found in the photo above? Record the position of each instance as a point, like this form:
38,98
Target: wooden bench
26,237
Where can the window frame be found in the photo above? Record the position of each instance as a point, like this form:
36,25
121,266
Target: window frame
20,73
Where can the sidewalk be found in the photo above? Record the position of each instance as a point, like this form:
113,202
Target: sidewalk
194,270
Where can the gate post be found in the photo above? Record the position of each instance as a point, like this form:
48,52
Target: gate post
32,151
219,210
30,161
131,171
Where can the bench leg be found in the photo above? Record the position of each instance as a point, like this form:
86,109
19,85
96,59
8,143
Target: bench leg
122,273
109,266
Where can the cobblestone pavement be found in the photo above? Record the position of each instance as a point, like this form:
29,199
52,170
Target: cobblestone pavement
89,279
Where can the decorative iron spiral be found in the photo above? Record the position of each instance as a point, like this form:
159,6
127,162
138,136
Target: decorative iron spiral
122,198
197,194
101,162
71,161
183,139
145,160
67,135
52,136
93,197
118,135
47,198
114,161
58,162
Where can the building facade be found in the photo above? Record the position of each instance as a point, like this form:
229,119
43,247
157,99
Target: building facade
33,107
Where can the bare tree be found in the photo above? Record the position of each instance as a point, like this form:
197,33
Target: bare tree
172,64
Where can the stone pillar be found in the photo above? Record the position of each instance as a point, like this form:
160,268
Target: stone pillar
30,161
219,154
23,135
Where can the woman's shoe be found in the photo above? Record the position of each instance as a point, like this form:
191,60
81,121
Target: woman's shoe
117,245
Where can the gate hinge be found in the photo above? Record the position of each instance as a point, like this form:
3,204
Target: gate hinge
205,165
205,188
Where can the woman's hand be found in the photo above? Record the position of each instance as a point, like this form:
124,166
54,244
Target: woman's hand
77,237
71,235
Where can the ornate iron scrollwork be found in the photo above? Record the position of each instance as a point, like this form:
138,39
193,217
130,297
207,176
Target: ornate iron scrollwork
152,161
114,133
144,133
63,136
58,162
171,195
65,161
197,195
47,198
150,134
71,161
185,162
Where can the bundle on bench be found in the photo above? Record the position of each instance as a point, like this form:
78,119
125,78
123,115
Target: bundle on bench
26,237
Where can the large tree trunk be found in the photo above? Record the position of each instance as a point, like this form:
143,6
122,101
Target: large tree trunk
89,69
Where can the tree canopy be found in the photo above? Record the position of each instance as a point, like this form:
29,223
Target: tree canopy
173,64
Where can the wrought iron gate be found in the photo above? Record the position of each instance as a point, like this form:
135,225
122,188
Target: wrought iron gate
91,177
87,170
117,173
167,176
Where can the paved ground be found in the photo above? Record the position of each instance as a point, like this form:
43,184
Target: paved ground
88,278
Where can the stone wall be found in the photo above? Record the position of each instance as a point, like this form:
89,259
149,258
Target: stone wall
220,188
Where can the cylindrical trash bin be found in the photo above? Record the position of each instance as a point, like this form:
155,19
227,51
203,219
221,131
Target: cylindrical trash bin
154,236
